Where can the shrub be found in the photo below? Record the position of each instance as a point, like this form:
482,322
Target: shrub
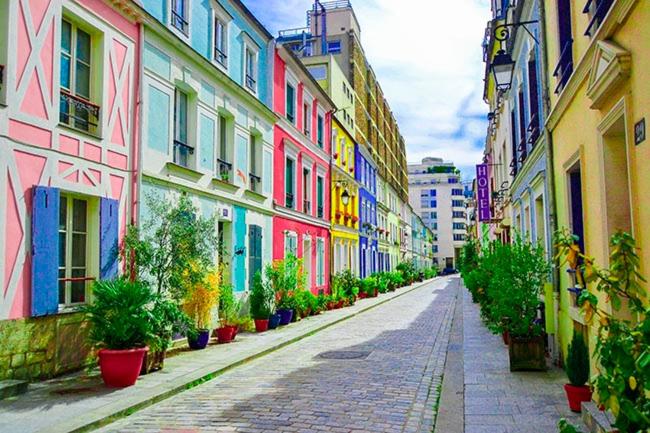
286,278
577,363
345,285
201,297
228,305
262,298
121,314
305,302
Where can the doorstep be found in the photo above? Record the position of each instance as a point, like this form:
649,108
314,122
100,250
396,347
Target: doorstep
81,402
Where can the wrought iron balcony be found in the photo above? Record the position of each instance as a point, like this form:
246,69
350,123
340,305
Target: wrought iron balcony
288,200
597,10
306,206
320,211
533,130
564,68
179,22
220,57
250,82
182,153
225,170
513,166
256,182
78,112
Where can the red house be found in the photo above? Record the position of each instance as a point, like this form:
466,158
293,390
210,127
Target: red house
301,168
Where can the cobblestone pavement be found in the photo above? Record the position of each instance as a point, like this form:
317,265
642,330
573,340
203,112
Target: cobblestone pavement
391,386
498,401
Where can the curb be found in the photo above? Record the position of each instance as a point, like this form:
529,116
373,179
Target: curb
109,418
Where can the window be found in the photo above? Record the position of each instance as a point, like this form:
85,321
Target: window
564,68
459,226
533,126
179,15
306,119
290,244
73,247
320,262
334,47
182,150
433,192
225,167
220,42
254,174
291,103
76,71
306,190
289,176
320,199
452,180
457,203
597,11
320,125
459,237
318,72
456,192
251,69
457,214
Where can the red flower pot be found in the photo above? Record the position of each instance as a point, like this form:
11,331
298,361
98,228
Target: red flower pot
331,305
339,304
506,337
576,395
120,368
261,325
224,335
363,295
235,329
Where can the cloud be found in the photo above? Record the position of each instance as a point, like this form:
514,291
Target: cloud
427,56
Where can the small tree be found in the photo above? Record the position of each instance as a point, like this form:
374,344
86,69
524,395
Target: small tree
262,298
577,362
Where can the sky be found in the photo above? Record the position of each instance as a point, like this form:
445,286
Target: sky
427,56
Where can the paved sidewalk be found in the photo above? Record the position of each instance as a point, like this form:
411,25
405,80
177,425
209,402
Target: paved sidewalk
498,401
81,401
379,372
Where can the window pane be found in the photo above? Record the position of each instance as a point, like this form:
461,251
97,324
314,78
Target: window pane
62,249
82,80
78,250
181,116
83,46
63,211
79,215
78,288
66,37
61,286
65,71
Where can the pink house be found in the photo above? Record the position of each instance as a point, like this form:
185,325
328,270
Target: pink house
68,148
301,190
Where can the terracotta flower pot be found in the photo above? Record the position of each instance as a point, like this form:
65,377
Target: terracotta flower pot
261,325
120,368
576,395
224,334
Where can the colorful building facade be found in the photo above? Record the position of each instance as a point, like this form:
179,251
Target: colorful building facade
366,177
301,188
207,126
70,79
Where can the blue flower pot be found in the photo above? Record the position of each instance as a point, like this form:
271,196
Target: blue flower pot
285,316
274,321
200,341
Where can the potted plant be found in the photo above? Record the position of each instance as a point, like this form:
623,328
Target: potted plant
274,320
577,370
202,296
520,272
227,311
286,278
261,303
121,326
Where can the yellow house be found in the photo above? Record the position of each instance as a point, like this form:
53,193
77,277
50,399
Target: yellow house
600,97
345,202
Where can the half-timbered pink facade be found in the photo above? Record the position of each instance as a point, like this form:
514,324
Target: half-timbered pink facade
68,146
301,169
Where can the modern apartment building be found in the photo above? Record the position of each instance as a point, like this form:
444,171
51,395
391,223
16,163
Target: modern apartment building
437,196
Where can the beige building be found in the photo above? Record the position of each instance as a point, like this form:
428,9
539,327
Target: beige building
437,196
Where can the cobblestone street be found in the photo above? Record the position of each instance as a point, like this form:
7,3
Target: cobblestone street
391,386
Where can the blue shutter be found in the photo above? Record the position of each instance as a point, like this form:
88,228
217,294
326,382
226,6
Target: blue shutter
108,234
45,250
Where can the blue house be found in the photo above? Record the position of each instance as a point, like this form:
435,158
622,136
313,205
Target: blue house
366,177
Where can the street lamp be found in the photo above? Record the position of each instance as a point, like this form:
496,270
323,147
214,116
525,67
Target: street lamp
345,197
503,68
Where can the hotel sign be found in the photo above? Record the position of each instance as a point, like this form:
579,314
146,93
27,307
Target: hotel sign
483,193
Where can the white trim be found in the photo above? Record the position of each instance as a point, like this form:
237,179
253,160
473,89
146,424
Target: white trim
184,37
219,13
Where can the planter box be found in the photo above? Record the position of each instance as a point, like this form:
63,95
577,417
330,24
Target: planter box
527,354
153,361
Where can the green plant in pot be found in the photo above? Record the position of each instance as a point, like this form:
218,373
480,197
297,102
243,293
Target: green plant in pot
577,370
121,326
228,313
262,302
514,290
286,278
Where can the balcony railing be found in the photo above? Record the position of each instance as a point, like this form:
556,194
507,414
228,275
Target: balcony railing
288,200
220,57
250,82
182,153
306,206
78,112
294,32
320,212
522,156
513,166
256,182
180,22
225,170
564,68
533,130
597,10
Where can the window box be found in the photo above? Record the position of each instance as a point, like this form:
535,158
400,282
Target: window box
183,171
225,171
220,184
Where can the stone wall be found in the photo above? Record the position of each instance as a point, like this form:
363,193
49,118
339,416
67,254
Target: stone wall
41,348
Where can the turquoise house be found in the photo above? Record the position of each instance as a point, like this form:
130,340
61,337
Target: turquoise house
206,125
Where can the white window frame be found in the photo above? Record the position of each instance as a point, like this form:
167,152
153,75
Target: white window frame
291,80
188,18
250,46
220,14
294,236
291,153
320,262
307,189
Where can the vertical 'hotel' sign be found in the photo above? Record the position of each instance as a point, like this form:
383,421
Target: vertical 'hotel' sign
483,199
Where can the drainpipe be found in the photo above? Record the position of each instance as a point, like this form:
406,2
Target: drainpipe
550,175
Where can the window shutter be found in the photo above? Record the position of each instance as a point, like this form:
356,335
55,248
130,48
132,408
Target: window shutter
108,238
45,250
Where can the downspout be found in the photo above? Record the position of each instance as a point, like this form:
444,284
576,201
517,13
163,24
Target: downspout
550,174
